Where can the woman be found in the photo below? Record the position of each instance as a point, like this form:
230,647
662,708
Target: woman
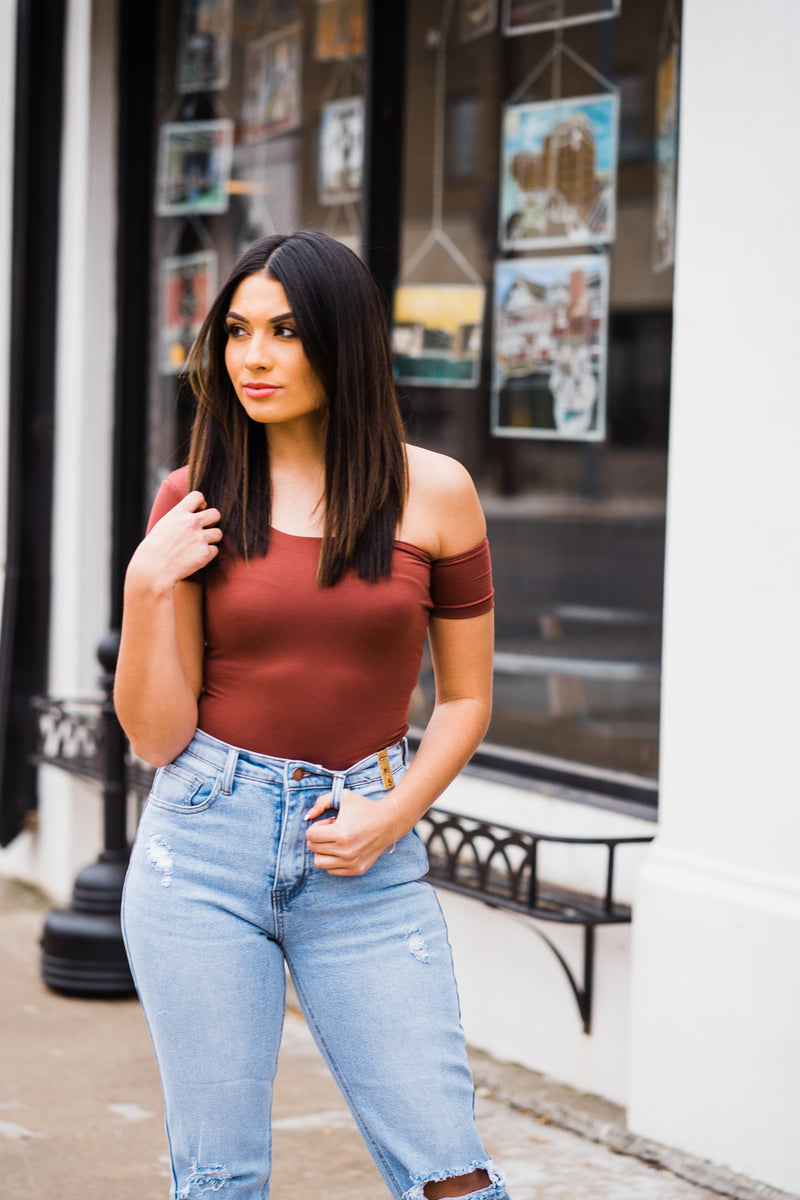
274,620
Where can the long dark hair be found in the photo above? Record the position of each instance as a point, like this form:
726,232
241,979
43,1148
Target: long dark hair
341,322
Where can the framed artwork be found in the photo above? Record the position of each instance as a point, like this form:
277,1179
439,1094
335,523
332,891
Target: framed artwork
340,29
437,334
341,151
204,45
559,172
666,161
549,347
534,16
271,103
476,18
194,167
188,284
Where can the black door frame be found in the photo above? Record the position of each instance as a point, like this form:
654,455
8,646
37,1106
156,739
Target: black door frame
34,288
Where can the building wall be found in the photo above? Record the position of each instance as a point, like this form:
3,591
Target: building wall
716,966
516,1000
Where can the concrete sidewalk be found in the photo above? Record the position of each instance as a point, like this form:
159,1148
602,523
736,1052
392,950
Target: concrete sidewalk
81,1116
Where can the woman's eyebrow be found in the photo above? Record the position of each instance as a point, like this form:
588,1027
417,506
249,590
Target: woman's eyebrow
287,316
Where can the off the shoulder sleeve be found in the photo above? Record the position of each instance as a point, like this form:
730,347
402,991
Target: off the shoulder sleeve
461,586
174,488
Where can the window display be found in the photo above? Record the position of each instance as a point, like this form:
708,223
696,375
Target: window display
272,91
438,334
566,430
666,160
260,127
534,16
531,306
194,167
204,55
188,285
551,318
341,151
558,186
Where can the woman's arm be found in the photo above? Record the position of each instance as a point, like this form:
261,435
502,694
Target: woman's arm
159,672
462,654
462,658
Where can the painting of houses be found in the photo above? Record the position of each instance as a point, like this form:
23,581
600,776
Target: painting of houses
550,326
437,334
558,185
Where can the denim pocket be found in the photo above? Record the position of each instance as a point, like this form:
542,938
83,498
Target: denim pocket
178,790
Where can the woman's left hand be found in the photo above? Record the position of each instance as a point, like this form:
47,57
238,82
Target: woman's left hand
352,841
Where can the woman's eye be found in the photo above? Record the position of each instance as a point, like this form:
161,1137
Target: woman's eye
285,331
235,331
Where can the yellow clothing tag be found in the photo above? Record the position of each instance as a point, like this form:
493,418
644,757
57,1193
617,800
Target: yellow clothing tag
386,770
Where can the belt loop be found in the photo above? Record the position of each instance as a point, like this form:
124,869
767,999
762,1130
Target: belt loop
336,789
230,767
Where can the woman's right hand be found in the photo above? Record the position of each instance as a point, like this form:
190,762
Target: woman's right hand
159,673
183,541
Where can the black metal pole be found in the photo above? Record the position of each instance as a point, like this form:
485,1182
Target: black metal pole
82,949
383,141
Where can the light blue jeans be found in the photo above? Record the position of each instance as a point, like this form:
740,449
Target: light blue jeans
221,892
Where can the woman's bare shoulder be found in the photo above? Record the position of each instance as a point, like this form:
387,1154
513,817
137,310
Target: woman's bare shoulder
443,510
429,468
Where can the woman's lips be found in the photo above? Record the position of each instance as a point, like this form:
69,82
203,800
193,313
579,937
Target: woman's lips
258,391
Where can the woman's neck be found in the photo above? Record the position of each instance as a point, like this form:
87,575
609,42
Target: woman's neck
297,477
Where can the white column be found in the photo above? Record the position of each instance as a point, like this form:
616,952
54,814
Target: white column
716,987
85,349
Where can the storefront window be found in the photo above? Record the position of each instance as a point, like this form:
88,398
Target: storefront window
532,339
260,129
533,309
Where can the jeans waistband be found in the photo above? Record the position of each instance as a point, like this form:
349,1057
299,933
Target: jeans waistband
234,760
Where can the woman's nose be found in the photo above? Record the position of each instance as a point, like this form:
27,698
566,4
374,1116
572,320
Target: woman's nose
258,353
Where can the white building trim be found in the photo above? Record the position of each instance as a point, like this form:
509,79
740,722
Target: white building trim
716,956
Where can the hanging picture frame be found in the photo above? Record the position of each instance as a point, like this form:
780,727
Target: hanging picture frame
549,347
204,45
667,91
341,151
272,90
476,18
558,176
188,284
536,16
340,29
194,167
437,334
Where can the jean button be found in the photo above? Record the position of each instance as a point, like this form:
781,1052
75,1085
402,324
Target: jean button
298,773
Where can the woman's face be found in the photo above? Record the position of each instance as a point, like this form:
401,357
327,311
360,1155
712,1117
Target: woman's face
266,362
